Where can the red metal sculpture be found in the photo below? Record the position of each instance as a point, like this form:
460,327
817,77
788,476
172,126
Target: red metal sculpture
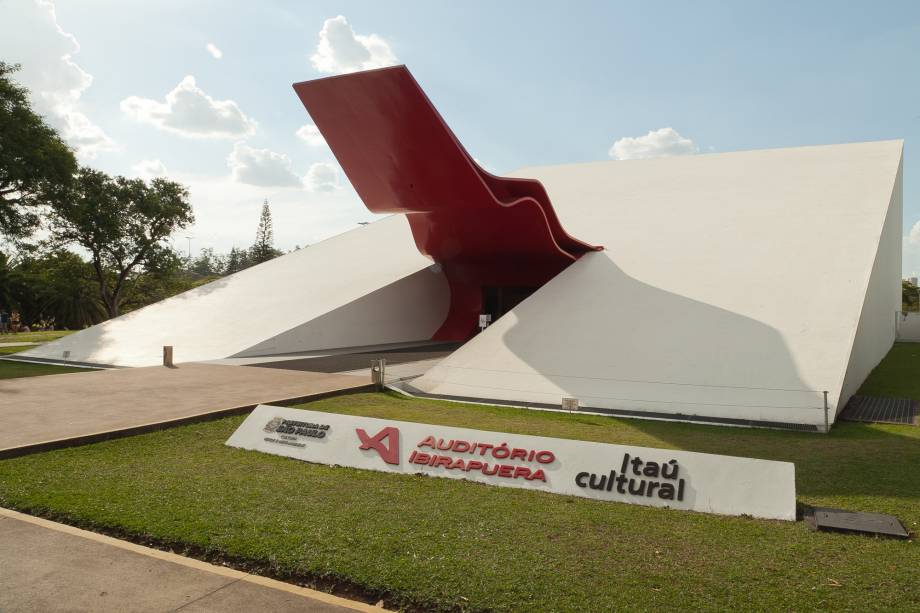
400,156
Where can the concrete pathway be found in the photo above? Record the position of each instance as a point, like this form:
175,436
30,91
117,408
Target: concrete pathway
23,344
38,412
46,566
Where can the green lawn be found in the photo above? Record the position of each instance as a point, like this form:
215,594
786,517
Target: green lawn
14,370
34,337
441,544
897,375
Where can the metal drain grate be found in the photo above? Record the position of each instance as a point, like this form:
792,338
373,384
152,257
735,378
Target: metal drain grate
880,409
837,520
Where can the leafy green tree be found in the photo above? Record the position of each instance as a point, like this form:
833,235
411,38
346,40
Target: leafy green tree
54,289
26,291
124,225
264,248
69,299
6,283
207,264
237,260
162,278
36,166
910,298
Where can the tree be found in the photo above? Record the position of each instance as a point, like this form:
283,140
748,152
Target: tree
264,248
207,264
36,166
910,296
163,278
69,298
54,289
6,284
123,224
237,260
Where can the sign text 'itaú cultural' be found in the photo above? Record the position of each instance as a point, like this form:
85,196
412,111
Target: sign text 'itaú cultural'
619,473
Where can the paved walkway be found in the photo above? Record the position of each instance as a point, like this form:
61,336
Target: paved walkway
22,344
46,566
49,409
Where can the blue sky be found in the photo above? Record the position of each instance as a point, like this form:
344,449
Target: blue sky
521,83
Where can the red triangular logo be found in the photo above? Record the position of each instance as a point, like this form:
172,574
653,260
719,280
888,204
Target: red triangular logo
390,451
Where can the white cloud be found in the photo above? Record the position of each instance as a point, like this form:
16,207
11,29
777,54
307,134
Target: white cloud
664,142
149,169
214,51
914,236
227,212
266,168
261,167
322,177
341,50
30,35
310,134
189,111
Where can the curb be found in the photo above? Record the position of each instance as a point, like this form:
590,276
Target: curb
193,563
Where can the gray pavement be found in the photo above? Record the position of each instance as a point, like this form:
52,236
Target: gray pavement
51,408
50,567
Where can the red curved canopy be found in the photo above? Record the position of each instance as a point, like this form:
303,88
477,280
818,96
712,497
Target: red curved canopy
401,157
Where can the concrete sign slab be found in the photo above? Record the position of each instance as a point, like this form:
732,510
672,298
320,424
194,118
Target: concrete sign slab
686,480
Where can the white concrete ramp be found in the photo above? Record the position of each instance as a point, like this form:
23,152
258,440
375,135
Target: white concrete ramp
369,286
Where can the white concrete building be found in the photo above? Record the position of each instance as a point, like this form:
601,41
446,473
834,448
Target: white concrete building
665,321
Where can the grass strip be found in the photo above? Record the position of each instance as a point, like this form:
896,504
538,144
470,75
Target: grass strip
440,544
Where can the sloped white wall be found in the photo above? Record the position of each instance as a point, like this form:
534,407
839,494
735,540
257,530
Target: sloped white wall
411,309
611,341
731,286
239,312
877,326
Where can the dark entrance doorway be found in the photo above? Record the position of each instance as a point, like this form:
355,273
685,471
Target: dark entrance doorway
496,301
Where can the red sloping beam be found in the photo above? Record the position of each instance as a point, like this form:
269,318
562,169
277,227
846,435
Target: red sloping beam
401,157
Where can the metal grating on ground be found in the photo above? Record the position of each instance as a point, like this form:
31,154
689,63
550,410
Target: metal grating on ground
836,520
880,409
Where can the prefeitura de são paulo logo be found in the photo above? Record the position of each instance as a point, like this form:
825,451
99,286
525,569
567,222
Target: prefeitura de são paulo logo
272,425
292,432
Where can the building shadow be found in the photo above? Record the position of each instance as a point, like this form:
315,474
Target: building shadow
597,334
606,338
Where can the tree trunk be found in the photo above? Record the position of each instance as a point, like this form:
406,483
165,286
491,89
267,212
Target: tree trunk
112,301
109,300
111,306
